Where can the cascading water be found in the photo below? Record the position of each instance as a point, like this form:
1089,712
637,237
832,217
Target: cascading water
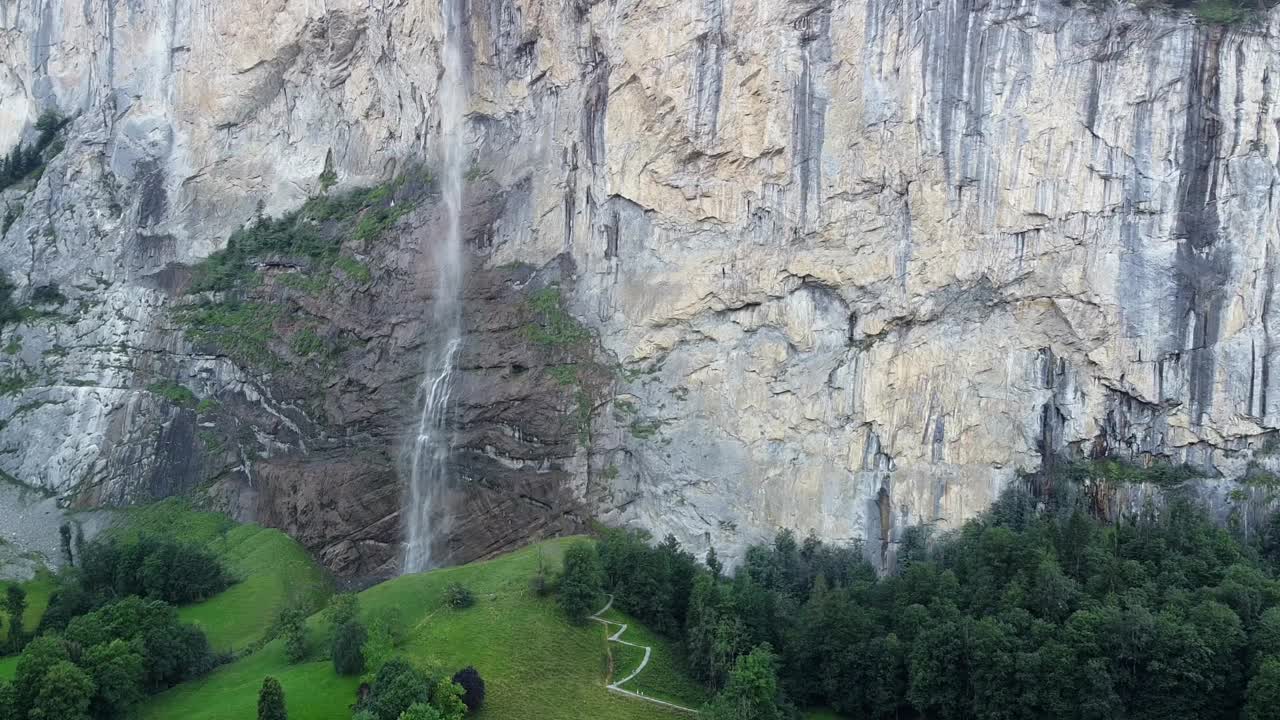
428,465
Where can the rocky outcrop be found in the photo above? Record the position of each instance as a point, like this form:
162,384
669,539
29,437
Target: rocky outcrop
849,266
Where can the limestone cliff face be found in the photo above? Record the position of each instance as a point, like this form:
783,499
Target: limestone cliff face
853,264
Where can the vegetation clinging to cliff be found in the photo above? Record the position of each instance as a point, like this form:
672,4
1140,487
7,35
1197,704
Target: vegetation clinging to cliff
306,250
25,161
312,235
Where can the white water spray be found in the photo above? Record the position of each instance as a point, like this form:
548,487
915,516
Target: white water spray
428,466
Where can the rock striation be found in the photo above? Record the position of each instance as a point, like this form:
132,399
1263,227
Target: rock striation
845,266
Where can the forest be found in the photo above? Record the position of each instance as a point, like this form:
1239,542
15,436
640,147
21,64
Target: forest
1028,612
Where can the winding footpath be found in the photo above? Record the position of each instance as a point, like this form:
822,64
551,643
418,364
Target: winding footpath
617,637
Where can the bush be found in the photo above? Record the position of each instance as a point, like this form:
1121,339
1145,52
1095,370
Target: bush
15,604
348,648
397,687
579,591
459,596
468,678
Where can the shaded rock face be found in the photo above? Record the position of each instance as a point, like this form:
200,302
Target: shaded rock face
850,266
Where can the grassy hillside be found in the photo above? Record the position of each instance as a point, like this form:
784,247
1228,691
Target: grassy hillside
536,665
273,570
665,677
38,590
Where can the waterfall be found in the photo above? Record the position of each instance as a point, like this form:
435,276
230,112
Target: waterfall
431,444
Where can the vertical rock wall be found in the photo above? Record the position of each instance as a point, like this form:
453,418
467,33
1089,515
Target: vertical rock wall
849,265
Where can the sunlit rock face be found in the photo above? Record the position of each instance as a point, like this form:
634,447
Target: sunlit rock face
850,266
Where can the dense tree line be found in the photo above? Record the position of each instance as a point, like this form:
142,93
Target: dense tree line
110,635
105,662
1023,613
148,567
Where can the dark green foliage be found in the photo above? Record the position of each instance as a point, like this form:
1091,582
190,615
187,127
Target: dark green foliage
653,584
446,696
292,626
752,692
238,322
420,711
541,583
1263,695
713,563
553,327
9,311
64,536
1035,611
579,588
172,651
63,693
47,295
348,648
397,686
118,670
23,161
117,654
243,330
8,702
37,659
311,235
459,596
174,393
15,604
1120,471
271,700
1223,12
342,609
151,567
468,678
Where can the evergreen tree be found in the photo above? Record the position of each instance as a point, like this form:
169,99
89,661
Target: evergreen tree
15,605
348,648
271,700
713,563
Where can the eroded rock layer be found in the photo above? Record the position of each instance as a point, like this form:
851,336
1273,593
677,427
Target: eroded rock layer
845,266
